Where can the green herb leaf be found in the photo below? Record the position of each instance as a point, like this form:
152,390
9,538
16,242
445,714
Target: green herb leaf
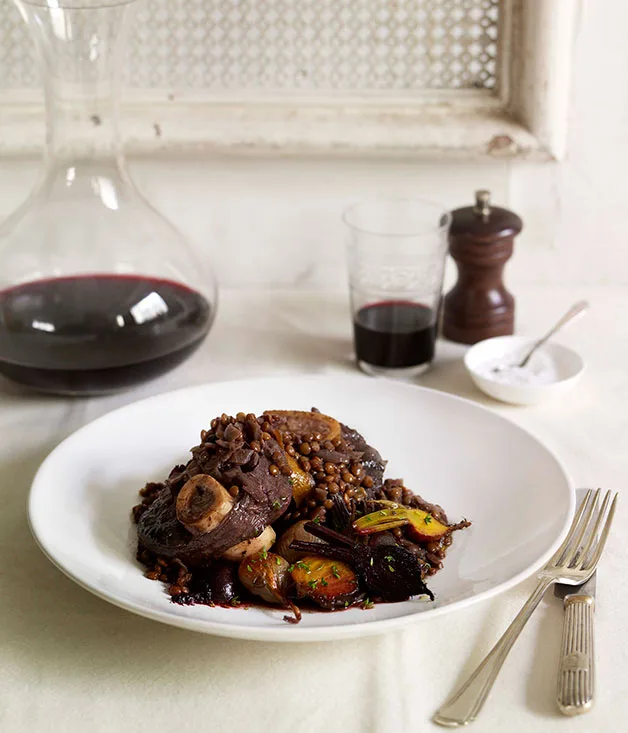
312,583
392,570
324,583
249,568
263,554
276,504
277,560
316,520
428,519
334,571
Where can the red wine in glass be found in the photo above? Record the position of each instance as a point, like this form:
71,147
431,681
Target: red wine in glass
395,334
99,333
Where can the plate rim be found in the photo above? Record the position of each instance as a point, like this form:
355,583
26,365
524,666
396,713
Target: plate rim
297,633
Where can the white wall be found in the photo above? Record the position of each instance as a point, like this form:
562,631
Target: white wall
578,209
275,222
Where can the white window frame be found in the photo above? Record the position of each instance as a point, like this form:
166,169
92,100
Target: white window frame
525,119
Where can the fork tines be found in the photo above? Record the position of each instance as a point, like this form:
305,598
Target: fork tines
587,535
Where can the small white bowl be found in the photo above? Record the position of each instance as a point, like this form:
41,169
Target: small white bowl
567,365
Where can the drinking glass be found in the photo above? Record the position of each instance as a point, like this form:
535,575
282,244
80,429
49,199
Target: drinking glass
396,255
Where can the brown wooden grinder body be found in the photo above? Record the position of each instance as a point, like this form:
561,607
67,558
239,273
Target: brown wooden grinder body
481,242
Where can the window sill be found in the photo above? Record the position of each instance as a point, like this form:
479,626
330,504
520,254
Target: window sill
465,125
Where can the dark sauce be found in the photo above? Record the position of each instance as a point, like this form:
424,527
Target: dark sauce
99,333
395,334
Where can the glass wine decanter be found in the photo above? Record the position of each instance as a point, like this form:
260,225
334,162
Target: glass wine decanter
98,291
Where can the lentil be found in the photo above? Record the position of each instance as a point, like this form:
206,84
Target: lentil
317,464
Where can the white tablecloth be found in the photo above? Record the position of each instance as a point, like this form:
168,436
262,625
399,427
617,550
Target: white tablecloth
71,662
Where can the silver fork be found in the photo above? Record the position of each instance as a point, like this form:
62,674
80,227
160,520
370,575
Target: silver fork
573,563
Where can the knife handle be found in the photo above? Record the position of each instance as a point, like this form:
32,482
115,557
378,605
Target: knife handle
576,671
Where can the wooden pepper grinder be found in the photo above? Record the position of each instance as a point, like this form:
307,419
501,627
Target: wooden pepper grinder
480,241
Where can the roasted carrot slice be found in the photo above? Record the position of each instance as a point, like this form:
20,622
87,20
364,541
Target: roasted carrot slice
330,583
422,524
300,423
301,481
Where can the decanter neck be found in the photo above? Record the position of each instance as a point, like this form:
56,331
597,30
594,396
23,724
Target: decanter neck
80,51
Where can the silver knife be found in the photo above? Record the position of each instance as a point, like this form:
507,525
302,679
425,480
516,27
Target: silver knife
576,678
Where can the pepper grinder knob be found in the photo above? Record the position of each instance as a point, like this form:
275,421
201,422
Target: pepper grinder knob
481,239
483,204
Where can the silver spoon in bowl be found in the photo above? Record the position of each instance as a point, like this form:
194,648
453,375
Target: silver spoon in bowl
576,309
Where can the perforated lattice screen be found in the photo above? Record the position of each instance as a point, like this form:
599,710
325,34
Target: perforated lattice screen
304,45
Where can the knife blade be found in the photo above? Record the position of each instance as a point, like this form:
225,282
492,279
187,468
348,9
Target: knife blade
576,680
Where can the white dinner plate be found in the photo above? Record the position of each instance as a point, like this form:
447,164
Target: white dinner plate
473,462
